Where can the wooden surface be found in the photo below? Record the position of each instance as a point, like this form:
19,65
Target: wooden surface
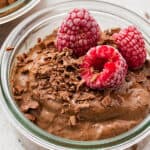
8,138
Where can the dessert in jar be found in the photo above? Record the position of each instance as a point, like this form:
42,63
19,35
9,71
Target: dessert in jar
4,3
83,83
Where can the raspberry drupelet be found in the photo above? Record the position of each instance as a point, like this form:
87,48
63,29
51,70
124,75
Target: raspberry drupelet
131,45
79,32
103,67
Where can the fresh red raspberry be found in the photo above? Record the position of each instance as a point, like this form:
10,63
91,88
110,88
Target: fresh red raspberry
103,67
79,31
131,45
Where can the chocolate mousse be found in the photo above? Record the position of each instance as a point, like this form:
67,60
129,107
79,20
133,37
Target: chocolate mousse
48,88
4,3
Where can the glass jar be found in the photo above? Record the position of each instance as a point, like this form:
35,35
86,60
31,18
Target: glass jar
16,10
25,35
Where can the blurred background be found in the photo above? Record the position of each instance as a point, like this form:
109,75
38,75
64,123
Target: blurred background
8,138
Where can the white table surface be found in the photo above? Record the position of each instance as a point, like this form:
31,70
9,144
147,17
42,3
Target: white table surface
8,138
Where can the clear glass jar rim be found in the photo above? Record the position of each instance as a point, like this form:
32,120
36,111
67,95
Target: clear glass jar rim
27,126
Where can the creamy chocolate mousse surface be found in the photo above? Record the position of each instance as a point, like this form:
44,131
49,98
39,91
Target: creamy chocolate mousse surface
49,91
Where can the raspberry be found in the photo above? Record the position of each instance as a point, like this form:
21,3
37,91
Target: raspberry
131,45
103,67
79,32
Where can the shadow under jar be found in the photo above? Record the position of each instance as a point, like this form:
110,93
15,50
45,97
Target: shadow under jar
41,24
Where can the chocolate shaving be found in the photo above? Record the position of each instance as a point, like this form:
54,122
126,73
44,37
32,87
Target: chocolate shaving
29,105
72,120
30,117
106,37
9,48
147,15
39,40
106,101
